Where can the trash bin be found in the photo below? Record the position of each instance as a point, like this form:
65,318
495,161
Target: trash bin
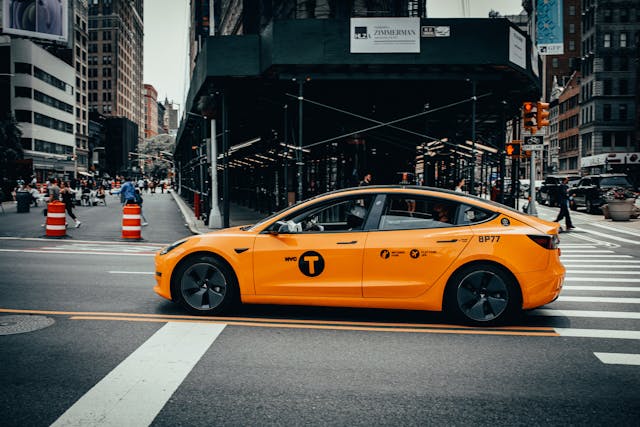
24,201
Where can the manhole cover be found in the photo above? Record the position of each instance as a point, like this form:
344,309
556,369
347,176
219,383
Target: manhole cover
19,324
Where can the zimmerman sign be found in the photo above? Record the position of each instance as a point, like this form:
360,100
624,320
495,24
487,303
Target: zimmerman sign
385,35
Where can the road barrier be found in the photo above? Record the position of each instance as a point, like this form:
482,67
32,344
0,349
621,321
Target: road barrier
56,220
131,226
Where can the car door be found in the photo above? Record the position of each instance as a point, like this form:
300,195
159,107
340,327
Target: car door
320,253
580,192
413,245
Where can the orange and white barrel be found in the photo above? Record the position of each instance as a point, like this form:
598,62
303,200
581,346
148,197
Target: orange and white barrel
131,226
55,226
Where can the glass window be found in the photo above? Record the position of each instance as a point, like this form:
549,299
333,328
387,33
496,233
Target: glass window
606,112
344,214
607,63
623,39
606,87
572,10
623,86
554,62
408,212
572,28
572,45
22,68
606,139
607,40
624,63
622,112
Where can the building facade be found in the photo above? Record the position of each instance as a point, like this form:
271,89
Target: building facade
609,90
568,130
150,111
116,59
80,63
42,100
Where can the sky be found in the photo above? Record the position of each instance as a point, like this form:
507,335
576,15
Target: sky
166,28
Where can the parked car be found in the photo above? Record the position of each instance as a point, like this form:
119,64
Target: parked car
548,192
590,190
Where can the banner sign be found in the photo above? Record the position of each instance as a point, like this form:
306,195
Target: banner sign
385,35
517,48
44,19
549,27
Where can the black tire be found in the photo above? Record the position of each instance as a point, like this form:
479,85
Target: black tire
205,285
482,294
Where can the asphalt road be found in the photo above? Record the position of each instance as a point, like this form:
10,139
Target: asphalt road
108,345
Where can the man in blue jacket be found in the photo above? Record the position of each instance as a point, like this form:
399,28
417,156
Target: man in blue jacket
128,192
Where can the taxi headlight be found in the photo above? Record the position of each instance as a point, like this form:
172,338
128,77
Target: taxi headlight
172,246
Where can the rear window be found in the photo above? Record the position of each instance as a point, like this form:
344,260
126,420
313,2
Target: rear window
615,181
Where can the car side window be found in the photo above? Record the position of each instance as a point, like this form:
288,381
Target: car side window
345,214
408,212
474,215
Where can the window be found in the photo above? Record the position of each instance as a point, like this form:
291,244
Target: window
22,68
623,39
622,112
572,45
607,40
606,139
572,28
23,116
408,212
607,63
23,92
624,63
554,62
606,87
621,139
344,214
572,10
623,86
624,15
606,112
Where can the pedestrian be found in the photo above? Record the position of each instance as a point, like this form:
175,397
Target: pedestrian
563,202
496,190
139,203
459,186
127,192
69,198
366,180
54,190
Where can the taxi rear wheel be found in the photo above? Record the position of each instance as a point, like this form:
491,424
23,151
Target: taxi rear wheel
482,294
205,285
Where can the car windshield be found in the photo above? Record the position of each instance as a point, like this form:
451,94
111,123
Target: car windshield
614,181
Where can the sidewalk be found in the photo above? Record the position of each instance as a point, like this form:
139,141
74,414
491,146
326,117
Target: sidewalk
238,215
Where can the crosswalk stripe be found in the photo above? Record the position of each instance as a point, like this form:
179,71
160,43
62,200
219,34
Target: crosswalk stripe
602,288
602,272
598,333
572,265
601,279
547,312
137,389
587,251
577,245
604,257
616,229
608,261
613,300
619,358
610,236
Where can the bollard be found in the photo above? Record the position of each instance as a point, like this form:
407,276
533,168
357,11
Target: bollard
56,218
131,227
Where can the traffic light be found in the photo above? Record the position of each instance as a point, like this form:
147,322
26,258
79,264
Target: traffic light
529,117
542,114
513,149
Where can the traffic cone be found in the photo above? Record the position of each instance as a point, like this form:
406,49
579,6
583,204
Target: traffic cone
131,227
56,218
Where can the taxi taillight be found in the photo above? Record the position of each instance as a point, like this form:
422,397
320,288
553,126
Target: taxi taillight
546,241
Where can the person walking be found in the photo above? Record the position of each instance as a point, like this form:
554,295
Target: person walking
366,180
54,190
459,186
563,202
68,198
139,203
128,192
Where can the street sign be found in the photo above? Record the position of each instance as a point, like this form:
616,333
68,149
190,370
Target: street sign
532,143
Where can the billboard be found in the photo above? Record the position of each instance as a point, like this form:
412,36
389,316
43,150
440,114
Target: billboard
549,27
44,19
385,35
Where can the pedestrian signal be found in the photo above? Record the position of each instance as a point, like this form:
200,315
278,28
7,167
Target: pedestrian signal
513,149
529,117
542,114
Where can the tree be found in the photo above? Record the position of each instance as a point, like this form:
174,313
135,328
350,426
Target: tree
154,151
10,151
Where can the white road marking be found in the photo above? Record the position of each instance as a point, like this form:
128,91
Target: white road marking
601,279
608,261
577,245
37,251
599,299
602,288
585,313
572,265
598,333
602,272
587,251
619,230
136,390
132,272
610,236
595,256
619,358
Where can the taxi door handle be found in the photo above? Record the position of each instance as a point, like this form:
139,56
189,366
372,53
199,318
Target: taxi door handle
448,241
348,243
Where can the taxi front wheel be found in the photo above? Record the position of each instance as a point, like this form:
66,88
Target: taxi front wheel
482,294
205,285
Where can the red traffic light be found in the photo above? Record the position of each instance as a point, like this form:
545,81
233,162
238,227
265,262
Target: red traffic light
529,116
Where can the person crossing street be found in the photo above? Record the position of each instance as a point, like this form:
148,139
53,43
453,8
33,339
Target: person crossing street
563,202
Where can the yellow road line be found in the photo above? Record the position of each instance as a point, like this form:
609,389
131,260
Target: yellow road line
327,327
251,320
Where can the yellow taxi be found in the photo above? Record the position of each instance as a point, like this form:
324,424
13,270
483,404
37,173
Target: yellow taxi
397,247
